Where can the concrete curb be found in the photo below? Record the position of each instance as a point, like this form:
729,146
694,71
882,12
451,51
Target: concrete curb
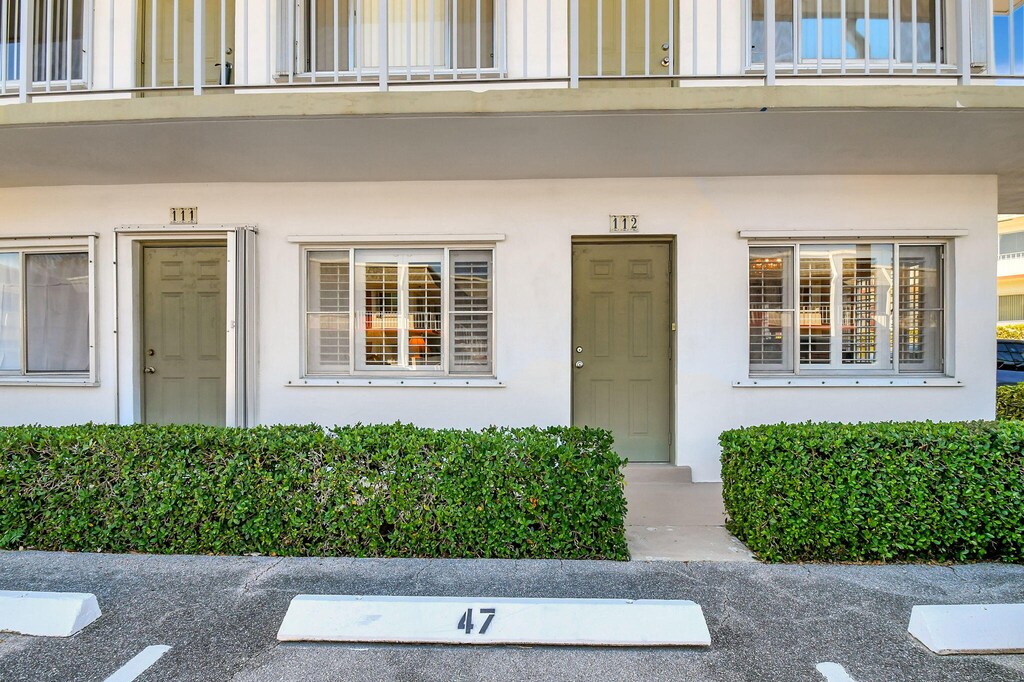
46,614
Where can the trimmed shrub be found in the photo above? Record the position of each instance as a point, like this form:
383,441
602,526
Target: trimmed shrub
1010,331
381,491
1010,402
917,491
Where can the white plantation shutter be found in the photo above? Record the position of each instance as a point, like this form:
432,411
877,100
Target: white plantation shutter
771,308
472,314
10,312
328,319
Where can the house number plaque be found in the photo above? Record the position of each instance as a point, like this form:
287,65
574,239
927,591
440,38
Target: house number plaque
624,223
187,215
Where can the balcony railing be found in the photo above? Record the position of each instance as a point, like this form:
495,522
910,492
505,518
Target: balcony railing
126,47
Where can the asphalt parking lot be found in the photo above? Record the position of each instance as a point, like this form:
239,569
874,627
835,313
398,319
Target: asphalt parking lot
219,616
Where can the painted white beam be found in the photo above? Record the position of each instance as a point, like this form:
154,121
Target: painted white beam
473,620
970,628
46,614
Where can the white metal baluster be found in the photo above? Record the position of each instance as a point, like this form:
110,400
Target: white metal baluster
312,41
408,40
647,37
820,36
694,47
549,32
48,47
88,51
337,49
718,44
622,37
867,36
478,40
574,43
198,47
152,44
600,37
897,40
526,41
842,41
358,7
3,46
892,39
245,44
110,36
501,61
796,35
268,54
913,37
176,41
223,42
384,70
769,42
455,39
430,39
293,53
26,20
937,36
1013,40
963,18
69,16
671,38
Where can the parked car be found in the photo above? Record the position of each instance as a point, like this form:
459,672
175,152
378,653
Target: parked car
1009,362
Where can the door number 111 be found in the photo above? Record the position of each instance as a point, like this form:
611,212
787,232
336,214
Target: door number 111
466,622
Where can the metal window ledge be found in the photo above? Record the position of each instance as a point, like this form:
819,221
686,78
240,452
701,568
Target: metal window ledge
385,382
832,382
11,381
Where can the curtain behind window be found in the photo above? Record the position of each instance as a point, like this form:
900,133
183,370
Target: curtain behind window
10,312
57,303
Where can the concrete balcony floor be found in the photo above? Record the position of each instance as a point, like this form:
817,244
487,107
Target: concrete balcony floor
670,518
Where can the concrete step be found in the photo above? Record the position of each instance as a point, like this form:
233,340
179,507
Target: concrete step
657,473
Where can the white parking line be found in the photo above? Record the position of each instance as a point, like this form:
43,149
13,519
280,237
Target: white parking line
834,672
138,665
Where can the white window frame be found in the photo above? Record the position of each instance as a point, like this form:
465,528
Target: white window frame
399,254
352,26
893,331
50,245
945,18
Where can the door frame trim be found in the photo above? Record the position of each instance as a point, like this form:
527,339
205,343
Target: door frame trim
671,241
240,356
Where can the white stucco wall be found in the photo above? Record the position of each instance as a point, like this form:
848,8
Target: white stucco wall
533,322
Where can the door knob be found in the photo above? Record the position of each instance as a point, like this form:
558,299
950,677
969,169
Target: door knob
579,364
149,370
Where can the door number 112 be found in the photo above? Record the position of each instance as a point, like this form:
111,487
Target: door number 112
466,622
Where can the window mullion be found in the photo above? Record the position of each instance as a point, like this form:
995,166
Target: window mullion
23,303
447,327
835,346
403,312
894,325
797,330
352,317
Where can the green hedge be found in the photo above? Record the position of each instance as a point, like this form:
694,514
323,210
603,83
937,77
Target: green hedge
877,492
1010,402
388,491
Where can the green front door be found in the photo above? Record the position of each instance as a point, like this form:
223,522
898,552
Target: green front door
184,334
622,344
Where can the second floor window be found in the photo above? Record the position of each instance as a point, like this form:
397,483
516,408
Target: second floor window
57,47
424,35
835,30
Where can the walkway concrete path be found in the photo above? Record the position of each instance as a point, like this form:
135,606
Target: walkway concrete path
671,518
220,615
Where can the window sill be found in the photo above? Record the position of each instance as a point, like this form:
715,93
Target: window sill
386,382
859,382
46,381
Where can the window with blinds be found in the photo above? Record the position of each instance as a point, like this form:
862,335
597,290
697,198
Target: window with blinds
412,310
861,308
